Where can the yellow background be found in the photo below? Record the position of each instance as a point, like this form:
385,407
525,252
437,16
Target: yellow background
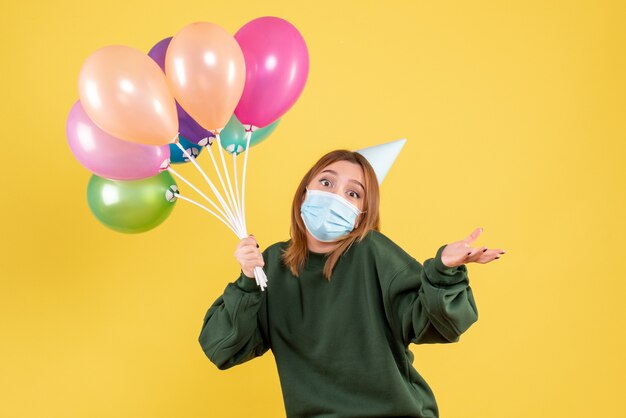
514,114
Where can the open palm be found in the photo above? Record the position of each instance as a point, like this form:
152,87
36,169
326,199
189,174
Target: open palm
461,252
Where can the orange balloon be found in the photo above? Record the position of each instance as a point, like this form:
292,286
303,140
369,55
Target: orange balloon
206,70
126,94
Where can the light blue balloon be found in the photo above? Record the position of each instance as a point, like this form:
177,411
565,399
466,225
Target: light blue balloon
233,136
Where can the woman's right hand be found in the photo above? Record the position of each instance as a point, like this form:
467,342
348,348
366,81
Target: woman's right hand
249,256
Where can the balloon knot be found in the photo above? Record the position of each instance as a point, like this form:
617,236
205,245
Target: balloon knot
206,141
165,164
171,193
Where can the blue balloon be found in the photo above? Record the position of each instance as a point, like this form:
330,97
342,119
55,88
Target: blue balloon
177,156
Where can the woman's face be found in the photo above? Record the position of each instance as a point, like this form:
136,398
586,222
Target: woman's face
344,179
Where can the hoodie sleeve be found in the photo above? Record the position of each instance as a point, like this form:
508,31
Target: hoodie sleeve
432,303
233,329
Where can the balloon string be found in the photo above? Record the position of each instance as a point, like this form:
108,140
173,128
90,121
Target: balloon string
179,196
225,206
230,187
171,170
230,215
243,180
260,277
235,170
239,228
219,175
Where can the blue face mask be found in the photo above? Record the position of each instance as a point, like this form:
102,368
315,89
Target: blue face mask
328,216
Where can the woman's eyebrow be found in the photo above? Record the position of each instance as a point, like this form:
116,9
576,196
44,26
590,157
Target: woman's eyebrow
357,182
351,180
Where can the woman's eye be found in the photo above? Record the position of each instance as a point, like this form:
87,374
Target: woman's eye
325,182
354,194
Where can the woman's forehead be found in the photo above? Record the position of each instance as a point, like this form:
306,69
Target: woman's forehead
344,169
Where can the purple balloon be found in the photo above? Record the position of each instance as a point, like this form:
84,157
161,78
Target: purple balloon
277,67
157,53
108,156
187,126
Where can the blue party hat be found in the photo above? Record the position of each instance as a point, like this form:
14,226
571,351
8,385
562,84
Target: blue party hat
382,156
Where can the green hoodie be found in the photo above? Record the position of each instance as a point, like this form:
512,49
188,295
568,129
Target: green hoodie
341,347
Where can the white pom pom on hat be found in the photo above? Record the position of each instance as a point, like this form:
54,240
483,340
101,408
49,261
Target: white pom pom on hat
382,156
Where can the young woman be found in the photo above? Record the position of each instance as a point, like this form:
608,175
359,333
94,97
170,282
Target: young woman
343,302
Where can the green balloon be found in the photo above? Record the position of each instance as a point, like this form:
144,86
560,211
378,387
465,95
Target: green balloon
233,136
132,206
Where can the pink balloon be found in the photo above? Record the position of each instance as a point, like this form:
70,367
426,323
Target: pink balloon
277,66
108,156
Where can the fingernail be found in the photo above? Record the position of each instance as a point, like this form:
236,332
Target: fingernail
469,253
257,245
502,252
484,250
497,257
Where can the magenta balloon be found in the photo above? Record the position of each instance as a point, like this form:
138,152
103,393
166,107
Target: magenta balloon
108,156
277,67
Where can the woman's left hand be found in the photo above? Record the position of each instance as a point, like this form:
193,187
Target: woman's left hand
460,252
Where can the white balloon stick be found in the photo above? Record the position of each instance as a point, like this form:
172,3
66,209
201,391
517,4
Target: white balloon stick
237,223
230,198
230,187
243,180
241,215
221,212
179,196
232,217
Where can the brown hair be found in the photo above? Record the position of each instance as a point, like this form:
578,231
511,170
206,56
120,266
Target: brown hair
294,256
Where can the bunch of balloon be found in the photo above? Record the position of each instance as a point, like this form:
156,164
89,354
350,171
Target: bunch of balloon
119,130
143,112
